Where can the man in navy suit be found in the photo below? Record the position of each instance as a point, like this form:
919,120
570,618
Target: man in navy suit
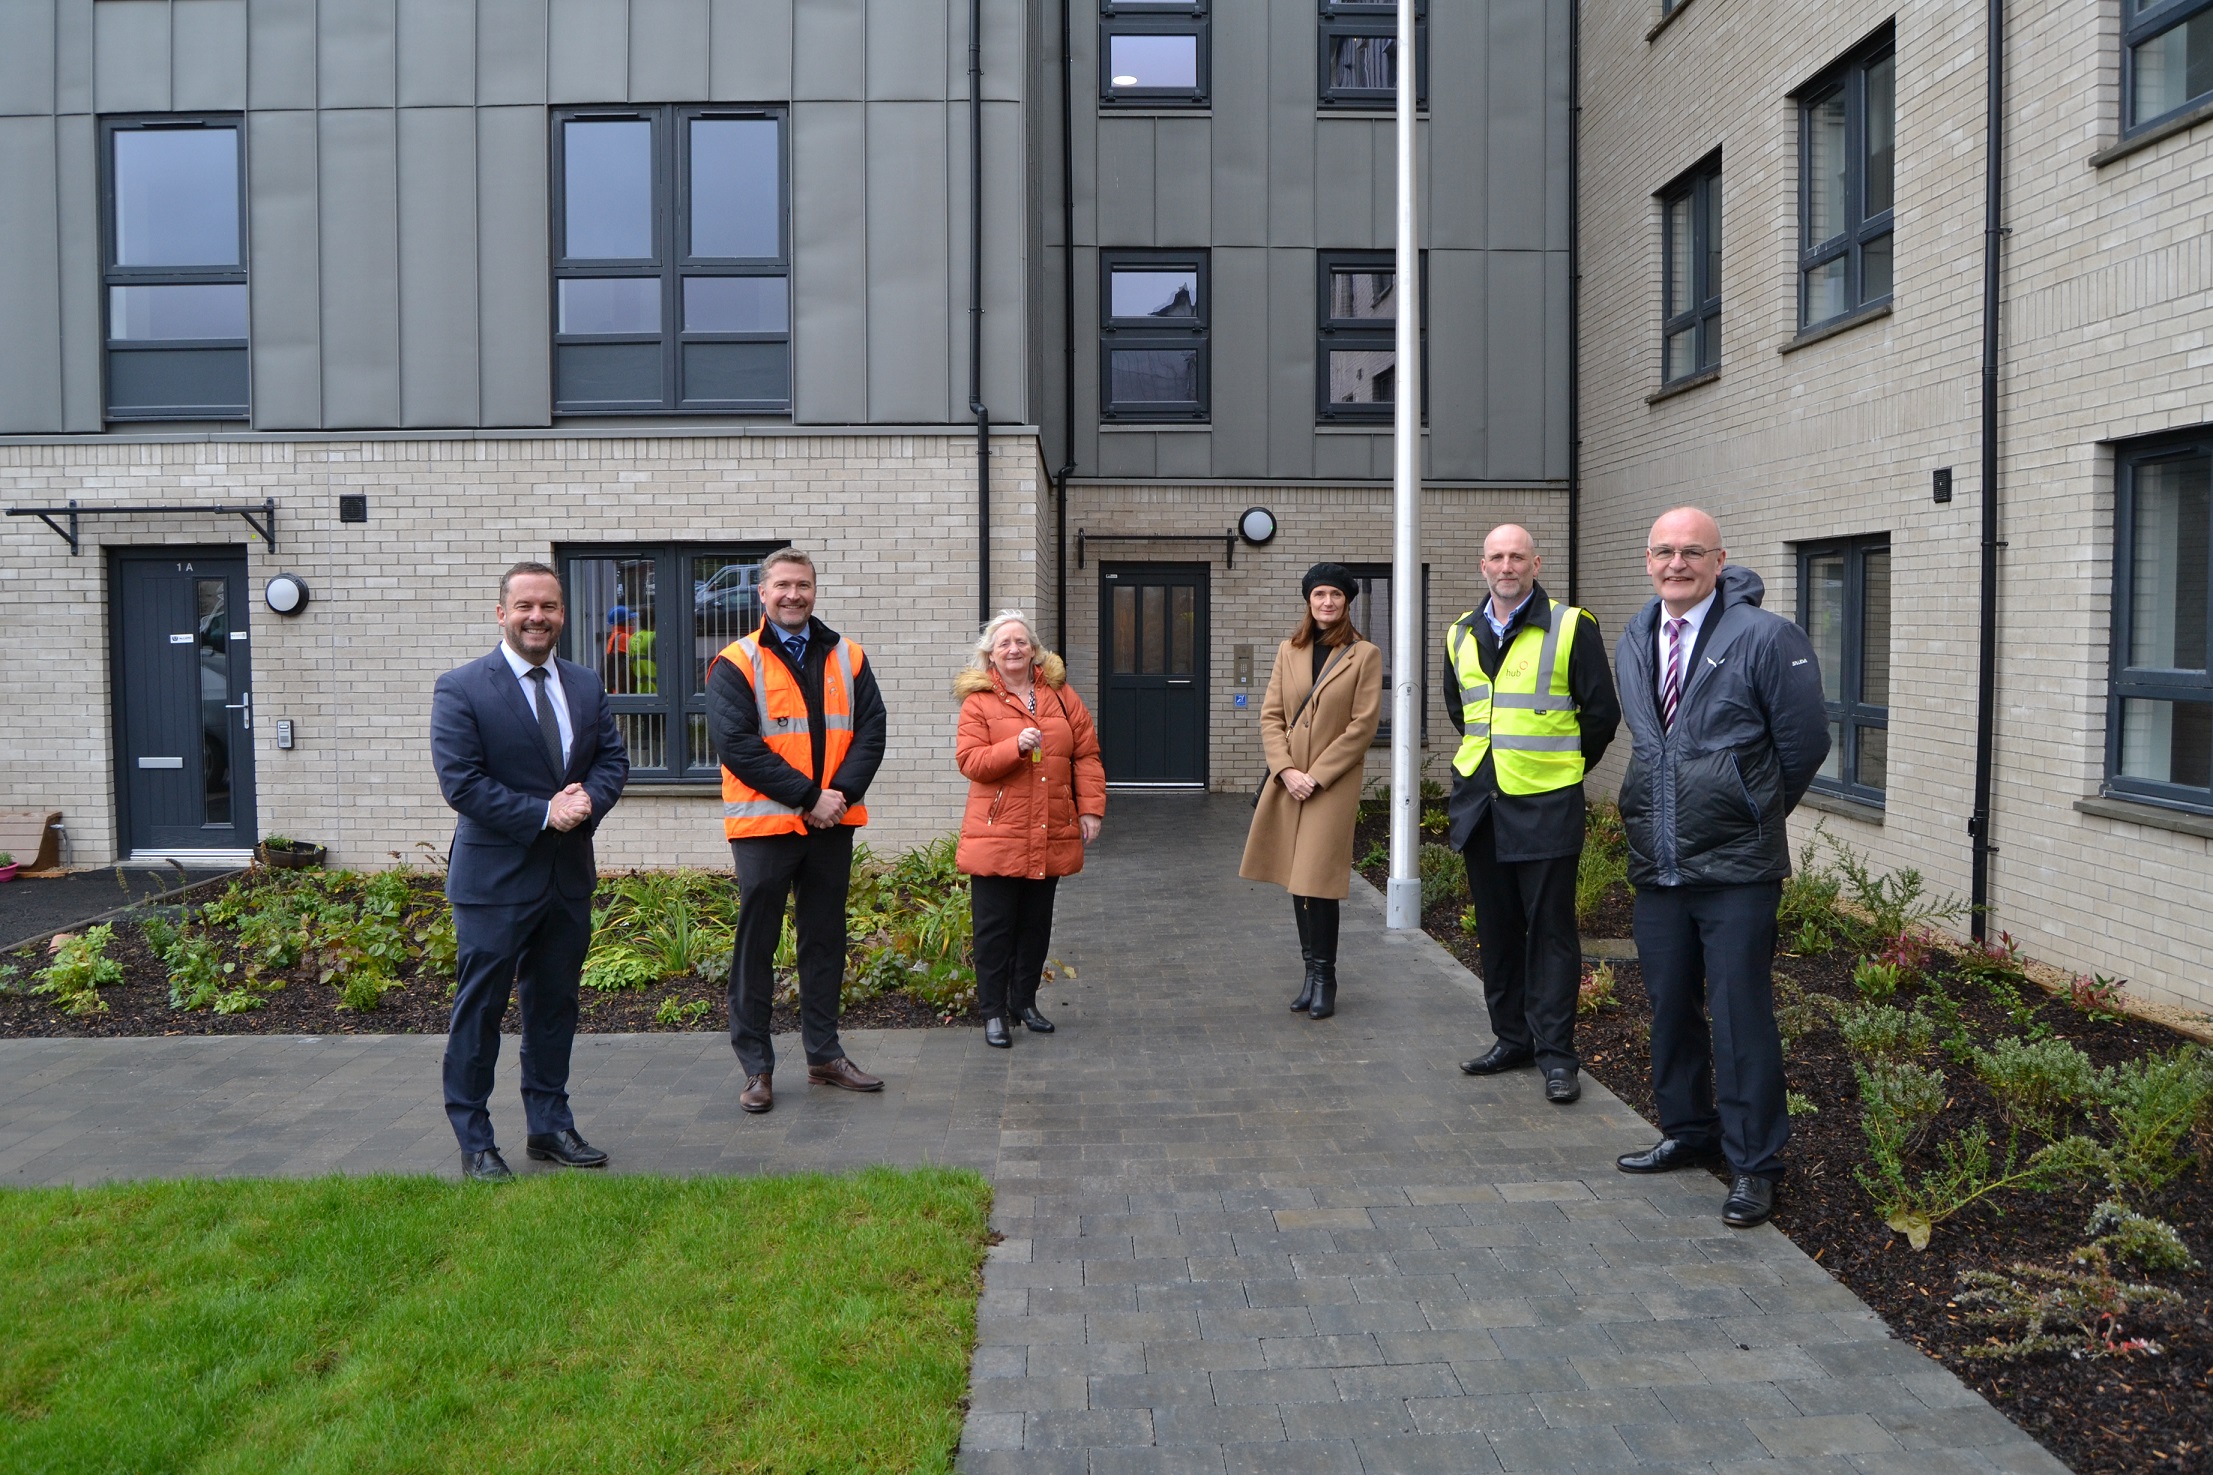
529,756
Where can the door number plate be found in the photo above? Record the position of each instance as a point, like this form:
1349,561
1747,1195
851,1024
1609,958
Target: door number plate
161,763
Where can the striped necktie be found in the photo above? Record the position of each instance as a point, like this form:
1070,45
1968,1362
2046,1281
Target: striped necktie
1671,695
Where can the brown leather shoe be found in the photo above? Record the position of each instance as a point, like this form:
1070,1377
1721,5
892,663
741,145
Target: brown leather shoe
757,1096
843,1074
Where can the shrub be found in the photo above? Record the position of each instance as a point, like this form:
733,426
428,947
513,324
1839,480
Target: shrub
1964,1176
197,973
2039,1084
1597,991
1899,1103
1444,876
1875,980
1894,905
1799,1104
1809,915
2050,1310
680,1014
2159,1109
1604,863
653,925
1797,1012
81,968
2096,995
1884,1032
1992,962
2136,1239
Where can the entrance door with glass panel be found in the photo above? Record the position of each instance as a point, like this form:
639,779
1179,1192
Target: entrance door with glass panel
184,705
1153,682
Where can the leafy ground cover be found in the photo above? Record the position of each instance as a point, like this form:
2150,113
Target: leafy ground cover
572,1322
2014,1176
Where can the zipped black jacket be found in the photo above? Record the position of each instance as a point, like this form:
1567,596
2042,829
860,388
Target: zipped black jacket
734,723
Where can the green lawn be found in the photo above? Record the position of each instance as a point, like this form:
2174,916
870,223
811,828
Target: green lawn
561,1323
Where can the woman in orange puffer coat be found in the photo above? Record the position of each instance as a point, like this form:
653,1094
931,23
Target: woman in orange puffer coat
1036,798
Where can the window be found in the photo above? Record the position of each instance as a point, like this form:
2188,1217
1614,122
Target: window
671,260
1357,357
1847,165
621,601
1371,615
1152,335
1154,53
175,269
1690,273
1359,49
1844,605
2159,725
2167,57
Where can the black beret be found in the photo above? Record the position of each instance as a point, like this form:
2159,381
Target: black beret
1335,575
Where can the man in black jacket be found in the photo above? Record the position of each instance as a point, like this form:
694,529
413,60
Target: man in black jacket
1729,726
799,748
1522,839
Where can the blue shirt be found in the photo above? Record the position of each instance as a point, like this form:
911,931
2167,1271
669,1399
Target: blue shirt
785,637
1498,626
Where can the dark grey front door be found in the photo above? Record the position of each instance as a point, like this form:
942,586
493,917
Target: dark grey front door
1152,663
183,699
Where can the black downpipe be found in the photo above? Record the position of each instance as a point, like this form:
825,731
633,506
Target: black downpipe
1986,676
1575,299
976,307
1067,328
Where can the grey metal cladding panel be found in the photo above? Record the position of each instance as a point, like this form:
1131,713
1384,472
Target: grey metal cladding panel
280,56
1182,180
1239,139
1123,454
437,54
514,269
588,51
1343,457
510,52
27,59
72,58
1006,46
829,286
1240,361
1125,182
1514,325
208,55
1556,363
357,53
1457,364
76,156
30,302
1086,438
668,50
437,261
830,50
1517,86
1006,269
910,213
1558,123
1291,294
1185,454
130,56
361,269
1457,188
749,50
1346,186
286,274
910,52
1292,126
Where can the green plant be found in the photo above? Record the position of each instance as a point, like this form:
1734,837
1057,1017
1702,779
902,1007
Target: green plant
2136,1239
1885,1032
1992,962
1799,1104
659,924
1964,1176
1376,857
2039,1084
197,973
9,973
1892,906
1444,876
2053,1310
1809,913
1875,981
6,859
81,968
1798,1013
158,931
679,1014
2159,1109
1899,1102
1604,863
1467,919
2097,996
1597,991
1435,822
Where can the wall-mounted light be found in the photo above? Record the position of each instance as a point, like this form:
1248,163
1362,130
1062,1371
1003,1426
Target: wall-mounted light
1257,525
286,594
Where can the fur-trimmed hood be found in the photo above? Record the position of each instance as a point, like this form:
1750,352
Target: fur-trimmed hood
1051,670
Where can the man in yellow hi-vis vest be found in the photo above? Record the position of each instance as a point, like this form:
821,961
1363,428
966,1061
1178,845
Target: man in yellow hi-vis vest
1528,683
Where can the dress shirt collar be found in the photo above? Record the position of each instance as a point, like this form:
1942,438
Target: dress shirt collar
1499,626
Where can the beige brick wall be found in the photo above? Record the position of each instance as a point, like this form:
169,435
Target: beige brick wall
2105,330
890,519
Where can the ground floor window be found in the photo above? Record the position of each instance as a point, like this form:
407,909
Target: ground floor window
1371,613
2159,727
1844,605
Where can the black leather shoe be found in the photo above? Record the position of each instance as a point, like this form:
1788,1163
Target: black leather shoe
1325,992
1497,1058
1751,1200
486,1167
564,1147
1561,1086
1036,1023
1666,1155
995,1034
1308,989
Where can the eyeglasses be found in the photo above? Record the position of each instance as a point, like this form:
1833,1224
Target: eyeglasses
1665,554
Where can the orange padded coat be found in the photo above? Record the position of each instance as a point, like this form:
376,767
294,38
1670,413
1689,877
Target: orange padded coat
1021,815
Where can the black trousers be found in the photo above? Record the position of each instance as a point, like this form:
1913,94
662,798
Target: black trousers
1013,917
1532,954
1317,918
815,870
1711,949
536,949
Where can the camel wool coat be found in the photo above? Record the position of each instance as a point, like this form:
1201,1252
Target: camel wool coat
1021,816
1307,848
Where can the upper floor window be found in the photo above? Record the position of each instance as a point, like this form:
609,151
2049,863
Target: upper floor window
1359,53
1844,605
1357,356
174,269
1154,53
2167,57
671,260
1690,272
2159,724
1153,335
1847,156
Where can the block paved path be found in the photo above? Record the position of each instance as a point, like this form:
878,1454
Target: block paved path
1234,1239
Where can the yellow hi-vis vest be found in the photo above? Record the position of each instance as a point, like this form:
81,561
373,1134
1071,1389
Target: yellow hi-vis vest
1528,722
789,732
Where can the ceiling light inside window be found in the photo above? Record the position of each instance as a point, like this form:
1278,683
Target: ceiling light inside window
1125,81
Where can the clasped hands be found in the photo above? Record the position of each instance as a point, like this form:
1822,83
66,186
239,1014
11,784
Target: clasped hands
1298,784
829,808
569,808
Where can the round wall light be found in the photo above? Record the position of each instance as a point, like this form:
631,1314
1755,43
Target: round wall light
1257,525
286,594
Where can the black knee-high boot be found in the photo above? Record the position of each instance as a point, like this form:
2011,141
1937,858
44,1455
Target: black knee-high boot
1305,1000
1321,926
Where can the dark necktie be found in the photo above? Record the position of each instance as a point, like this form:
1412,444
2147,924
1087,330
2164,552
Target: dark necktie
1671,695
549,726
797,646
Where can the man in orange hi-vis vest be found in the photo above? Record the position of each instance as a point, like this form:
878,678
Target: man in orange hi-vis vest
799,725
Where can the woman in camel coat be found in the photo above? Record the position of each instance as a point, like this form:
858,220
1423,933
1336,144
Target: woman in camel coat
1317,750
1036,798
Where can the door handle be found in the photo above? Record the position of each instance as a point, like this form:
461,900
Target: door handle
245,704
1179,681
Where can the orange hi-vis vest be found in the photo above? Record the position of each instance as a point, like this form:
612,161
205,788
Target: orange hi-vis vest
747,812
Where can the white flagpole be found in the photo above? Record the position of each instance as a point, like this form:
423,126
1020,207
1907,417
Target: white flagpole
1403,902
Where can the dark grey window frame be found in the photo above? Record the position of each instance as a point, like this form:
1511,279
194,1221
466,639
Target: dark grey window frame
1357,333
1853,715
2147,683
1700,185
113,275
1153,333
1860,230
670,264
676,702
2142,21
1367,574
1193,18
1368,18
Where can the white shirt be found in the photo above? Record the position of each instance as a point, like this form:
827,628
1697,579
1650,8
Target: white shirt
1696,614
554,694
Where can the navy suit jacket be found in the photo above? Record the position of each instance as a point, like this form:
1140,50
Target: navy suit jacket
494,770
